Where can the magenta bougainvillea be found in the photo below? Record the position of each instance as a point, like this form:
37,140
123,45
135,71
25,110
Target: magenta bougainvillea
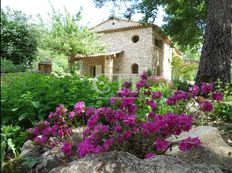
131,123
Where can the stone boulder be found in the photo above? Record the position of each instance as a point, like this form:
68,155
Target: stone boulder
214,149
30,150
47,159
123,162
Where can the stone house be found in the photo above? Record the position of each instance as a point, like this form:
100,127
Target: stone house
131,49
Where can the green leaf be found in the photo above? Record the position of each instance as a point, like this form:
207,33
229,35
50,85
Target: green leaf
11,146
35,104
31,161
23,116
14,109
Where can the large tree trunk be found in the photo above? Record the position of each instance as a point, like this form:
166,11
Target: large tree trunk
216,55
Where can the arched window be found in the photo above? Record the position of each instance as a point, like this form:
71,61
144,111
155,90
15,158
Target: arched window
134,68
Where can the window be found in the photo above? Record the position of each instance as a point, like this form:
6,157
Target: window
135,38
159,43
134,68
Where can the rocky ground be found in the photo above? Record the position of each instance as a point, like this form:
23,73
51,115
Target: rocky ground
214,156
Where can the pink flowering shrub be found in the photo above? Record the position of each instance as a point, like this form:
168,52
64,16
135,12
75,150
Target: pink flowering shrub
132,123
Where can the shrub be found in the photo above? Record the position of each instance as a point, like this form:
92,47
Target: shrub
7,66
29,97
132,123
223,110
11,139
18,38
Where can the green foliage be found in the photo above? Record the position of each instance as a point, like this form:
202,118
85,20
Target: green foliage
185,22
66,36
223,110
11,139
182,70
18,42
7,66
29,97
181,85
14,166
3,147
59,61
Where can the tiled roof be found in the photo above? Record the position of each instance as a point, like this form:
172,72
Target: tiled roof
77,57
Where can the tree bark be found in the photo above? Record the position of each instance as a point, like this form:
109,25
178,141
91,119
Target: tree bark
216,54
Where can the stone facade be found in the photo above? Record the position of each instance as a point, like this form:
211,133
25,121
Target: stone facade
141,46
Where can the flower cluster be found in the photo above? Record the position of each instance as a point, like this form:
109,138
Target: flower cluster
55,130
120,129
189,143
178,96
131,123
54,127
206,89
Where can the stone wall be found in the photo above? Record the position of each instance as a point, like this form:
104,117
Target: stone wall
144,52
140,52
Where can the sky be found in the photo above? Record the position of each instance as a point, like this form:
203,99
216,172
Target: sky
91,15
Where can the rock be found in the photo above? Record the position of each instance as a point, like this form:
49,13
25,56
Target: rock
50,159
123,162
214,149
30,150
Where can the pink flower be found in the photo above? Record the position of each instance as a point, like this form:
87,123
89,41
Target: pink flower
171,101
130,120
189,143
127,135
51,115
71,115
151,103
149,155
67,148
127,101
48,131
108,143
36,131
207,87
92,120
144,76
127,84
85,147
117,128
60,133
60,109
151,115
90,111
124,92
40,139
156,95
113,100
206,106
141,84
217,95
132,109
194,90
79,108
161,145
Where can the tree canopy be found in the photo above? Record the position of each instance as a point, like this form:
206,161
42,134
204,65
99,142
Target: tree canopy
66,36
18,39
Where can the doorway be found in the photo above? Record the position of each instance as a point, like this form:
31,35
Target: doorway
95,70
